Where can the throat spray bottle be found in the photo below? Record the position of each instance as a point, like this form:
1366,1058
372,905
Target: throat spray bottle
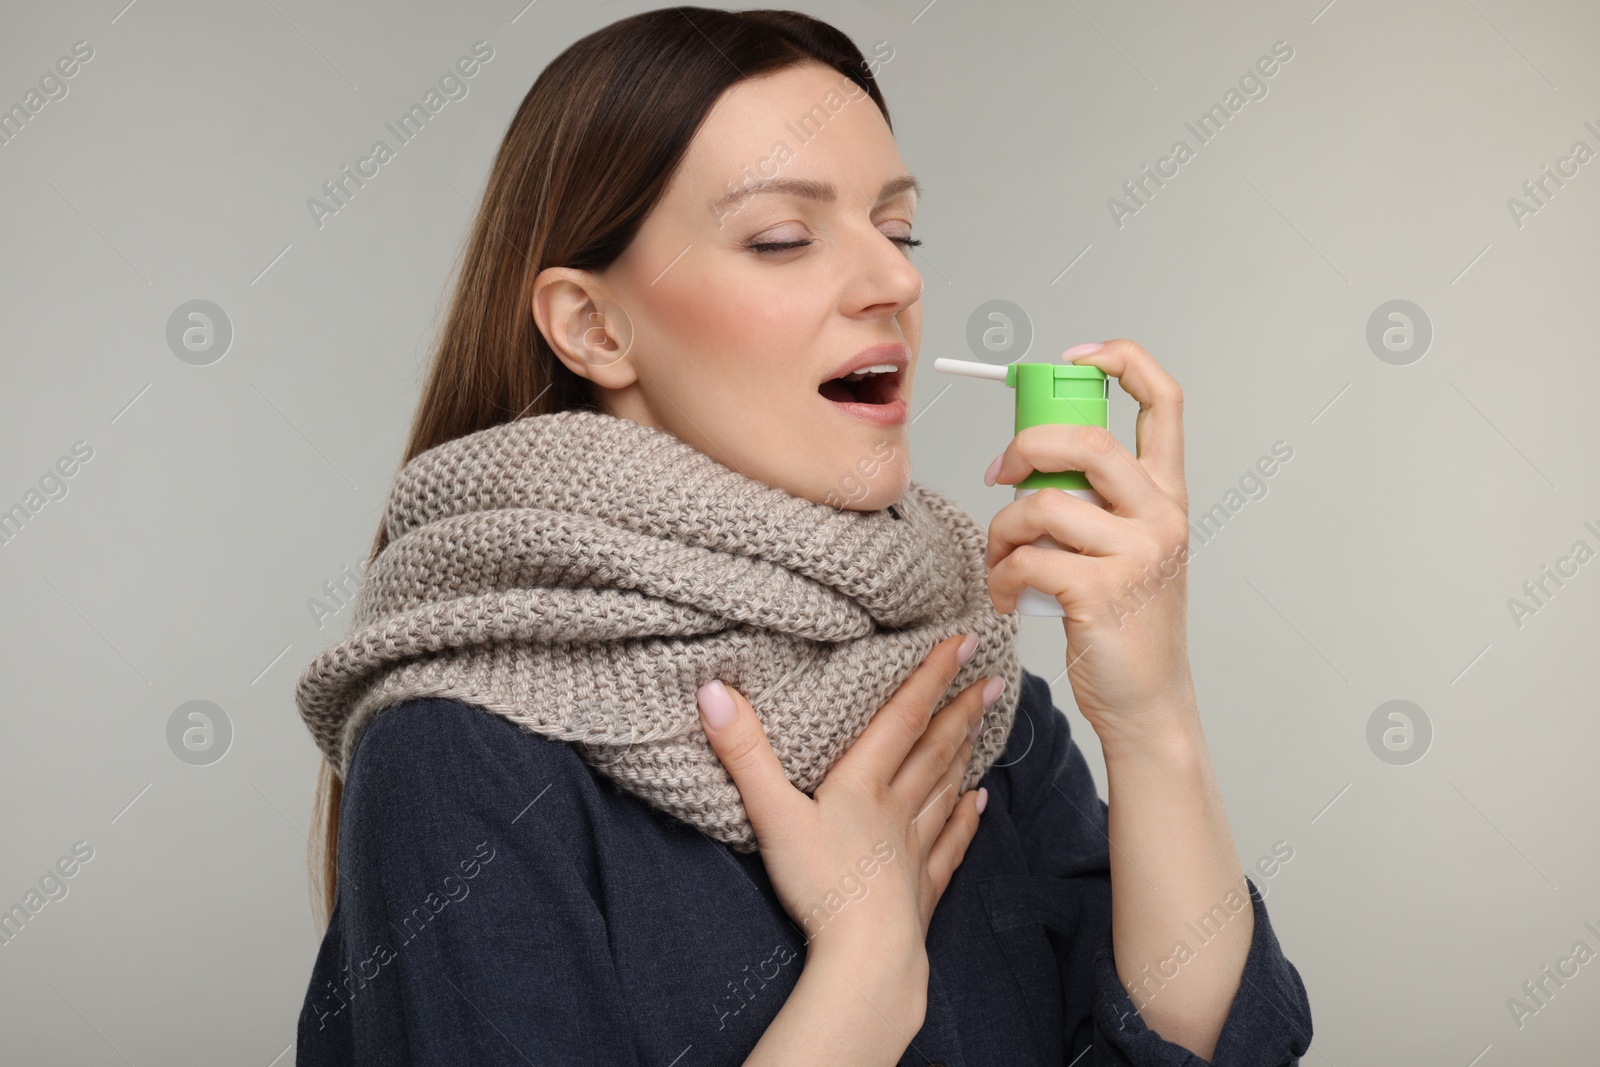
1047,392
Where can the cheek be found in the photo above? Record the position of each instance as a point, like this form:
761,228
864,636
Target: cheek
741,332
720,317
723,287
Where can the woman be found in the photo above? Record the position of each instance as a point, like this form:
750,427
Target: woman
622,501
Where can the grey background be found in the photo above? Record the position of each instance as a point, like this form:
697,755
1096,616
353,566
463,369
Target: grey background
1378,566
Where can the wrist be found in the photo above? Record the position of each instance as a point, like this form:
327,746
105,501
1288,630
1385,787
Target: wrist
851,1006
1167,731
891,976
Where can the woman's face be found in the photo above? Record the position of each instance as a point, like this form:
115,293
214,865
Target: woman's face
728,344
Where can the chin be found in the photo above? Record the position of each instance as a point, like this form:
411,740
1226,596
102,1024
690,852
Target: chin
871,484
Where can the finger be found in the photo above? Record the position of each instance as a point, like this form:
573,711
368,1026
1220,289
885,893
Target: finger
1048,570
931,756
1079,524
1112,470
936,806
951,846
1158,432
740,742
880,750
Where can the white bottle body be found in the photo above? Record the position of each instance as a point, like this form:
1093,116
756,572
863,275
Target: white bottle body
1031,601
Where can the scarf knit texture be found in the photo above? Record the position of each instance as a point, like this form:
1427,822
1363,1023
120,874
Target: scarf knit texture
582,574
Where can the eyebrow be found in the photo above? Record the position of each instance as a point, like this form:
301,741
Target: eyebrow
815,190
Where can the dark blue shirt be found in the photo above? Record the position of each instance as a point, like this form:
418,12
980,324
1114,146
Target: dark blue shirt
501,901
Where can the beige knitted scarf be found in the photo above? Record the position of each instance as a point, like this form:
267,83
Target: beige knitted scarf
583,574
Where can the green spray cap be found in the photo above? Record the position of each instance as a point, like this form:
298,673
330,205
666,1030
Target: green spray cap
1046,392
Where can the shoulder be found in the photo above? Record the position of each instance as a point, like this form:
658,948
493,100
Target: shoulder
442,733
426,727
467,893
440,760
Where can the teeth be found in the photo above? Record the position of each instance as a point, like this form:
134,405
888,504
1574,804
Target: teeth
882,368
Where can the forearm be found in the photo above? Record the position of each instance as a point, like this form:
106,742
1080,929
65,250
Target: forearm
853,1009
1179,933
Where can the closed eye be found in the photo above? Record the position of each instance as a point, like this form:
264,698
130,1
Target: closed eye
784,246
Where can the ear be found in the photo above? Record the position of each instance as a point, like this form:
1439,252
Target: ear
589,333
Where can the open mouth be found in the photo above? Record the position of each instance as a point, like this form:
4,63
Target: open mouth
864,387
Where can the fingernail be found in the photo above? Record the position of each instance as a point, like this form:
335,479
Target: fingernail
964,653
715,704
994,469
992,690
977,728
1083,350
983,798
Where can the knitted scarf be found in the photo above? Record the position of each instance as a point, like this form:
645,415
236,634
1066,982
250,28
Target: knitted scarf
583,574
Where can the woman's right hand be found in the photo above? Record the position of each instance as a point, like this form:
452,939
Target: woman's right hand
861,863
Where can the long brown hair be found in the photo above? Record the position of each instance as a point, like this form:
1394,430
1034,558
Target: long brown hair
588,154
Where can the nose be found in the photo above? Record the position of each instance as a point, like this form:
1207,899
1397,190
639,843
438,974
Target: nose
884,281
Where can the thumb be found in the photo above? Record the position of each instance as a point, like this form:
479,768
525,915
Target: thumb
740,742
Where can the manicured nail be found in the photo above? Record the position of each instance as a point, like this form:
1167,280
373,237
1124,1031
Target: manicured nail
1083,350
994,470
983,798
964,653
992,690
715,703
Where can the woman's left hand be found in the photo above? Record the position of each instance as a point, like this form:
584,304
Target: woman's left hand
1125,586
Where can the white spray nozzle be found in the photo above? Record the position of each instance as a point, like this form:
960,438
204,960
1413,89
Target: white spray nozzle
970,369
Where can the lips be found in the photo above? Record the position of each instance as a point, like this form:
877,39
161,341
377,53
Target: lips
874,398
880,372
